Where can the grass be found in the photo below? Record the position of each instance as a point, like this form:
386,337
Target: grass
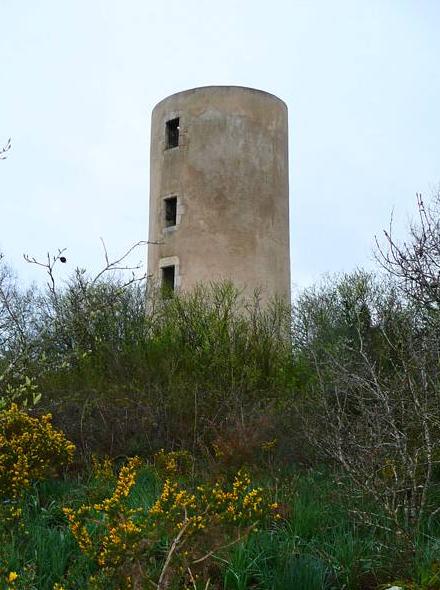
317,547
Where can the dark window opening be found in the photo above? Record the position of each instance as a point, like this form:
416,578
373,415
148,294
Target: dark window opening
170,211
172,132
168,273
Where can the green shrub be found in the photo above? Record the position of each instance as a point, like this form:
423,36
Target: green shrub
30,449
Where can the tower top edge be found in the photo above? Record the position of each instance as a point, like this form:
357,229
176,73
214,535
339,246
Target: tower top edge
221,88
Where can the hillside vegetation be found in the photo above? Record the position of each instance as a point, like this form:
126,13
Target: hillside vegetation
208,442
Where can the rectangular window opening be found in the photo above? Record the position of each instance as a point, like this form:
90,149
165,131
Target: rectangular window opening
170,211
172,133
168,275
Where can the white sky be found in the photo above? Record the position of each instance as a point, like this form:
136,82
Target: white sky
78,80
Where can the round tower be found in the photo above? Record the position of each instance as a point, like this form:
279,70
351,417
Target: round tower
219,190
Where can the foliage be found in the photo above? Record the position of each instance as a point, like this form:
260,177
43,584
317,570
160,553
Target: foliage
126,542
30,449
17,314
102,350
317,544
173,462
373,403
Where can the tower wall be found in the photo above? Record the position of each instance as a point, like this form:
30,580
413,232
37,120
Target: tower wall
230,176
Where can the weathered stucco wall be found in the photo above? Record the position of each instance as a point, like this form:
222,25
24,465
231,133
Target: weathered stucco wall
230,176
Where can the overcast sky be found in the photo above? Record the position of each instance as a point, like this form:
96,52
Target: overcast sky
79,78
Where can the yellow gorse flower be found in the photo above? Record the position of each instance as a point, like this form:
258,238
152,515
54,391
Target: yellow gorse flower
126,480
12,576
102,468
119,529
30,449
78,530
123,541
173,462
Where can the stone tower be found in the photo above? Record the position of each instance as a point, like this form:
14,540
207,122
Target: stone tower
219,190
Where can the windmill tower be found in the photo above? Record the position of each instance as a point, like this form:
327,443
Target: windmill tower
219,190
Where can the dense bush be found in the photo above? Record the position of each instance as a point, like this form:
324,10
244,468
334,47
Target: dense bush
30,449
152,374
125,544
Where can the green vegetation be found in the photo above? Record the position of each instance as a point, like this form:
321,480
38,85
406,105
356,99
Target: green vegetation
316,545
277,448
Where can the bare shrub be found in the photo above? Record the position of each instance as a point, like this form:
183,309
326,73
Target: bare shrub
372,401
415,262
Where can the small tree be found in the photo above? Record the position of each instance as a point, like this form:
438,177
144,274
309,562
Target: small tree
373,402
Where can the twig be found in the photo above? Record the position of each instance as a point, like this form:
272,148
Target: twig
117,264
5,149
191,577
173,548
49,266
210,553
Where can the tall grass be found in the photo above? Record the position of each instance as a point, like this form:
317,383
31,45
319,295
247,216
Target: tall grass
317,546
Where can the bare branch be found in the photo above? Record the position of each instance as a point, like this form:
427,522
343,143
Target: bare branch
5,149
48,266
116,265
